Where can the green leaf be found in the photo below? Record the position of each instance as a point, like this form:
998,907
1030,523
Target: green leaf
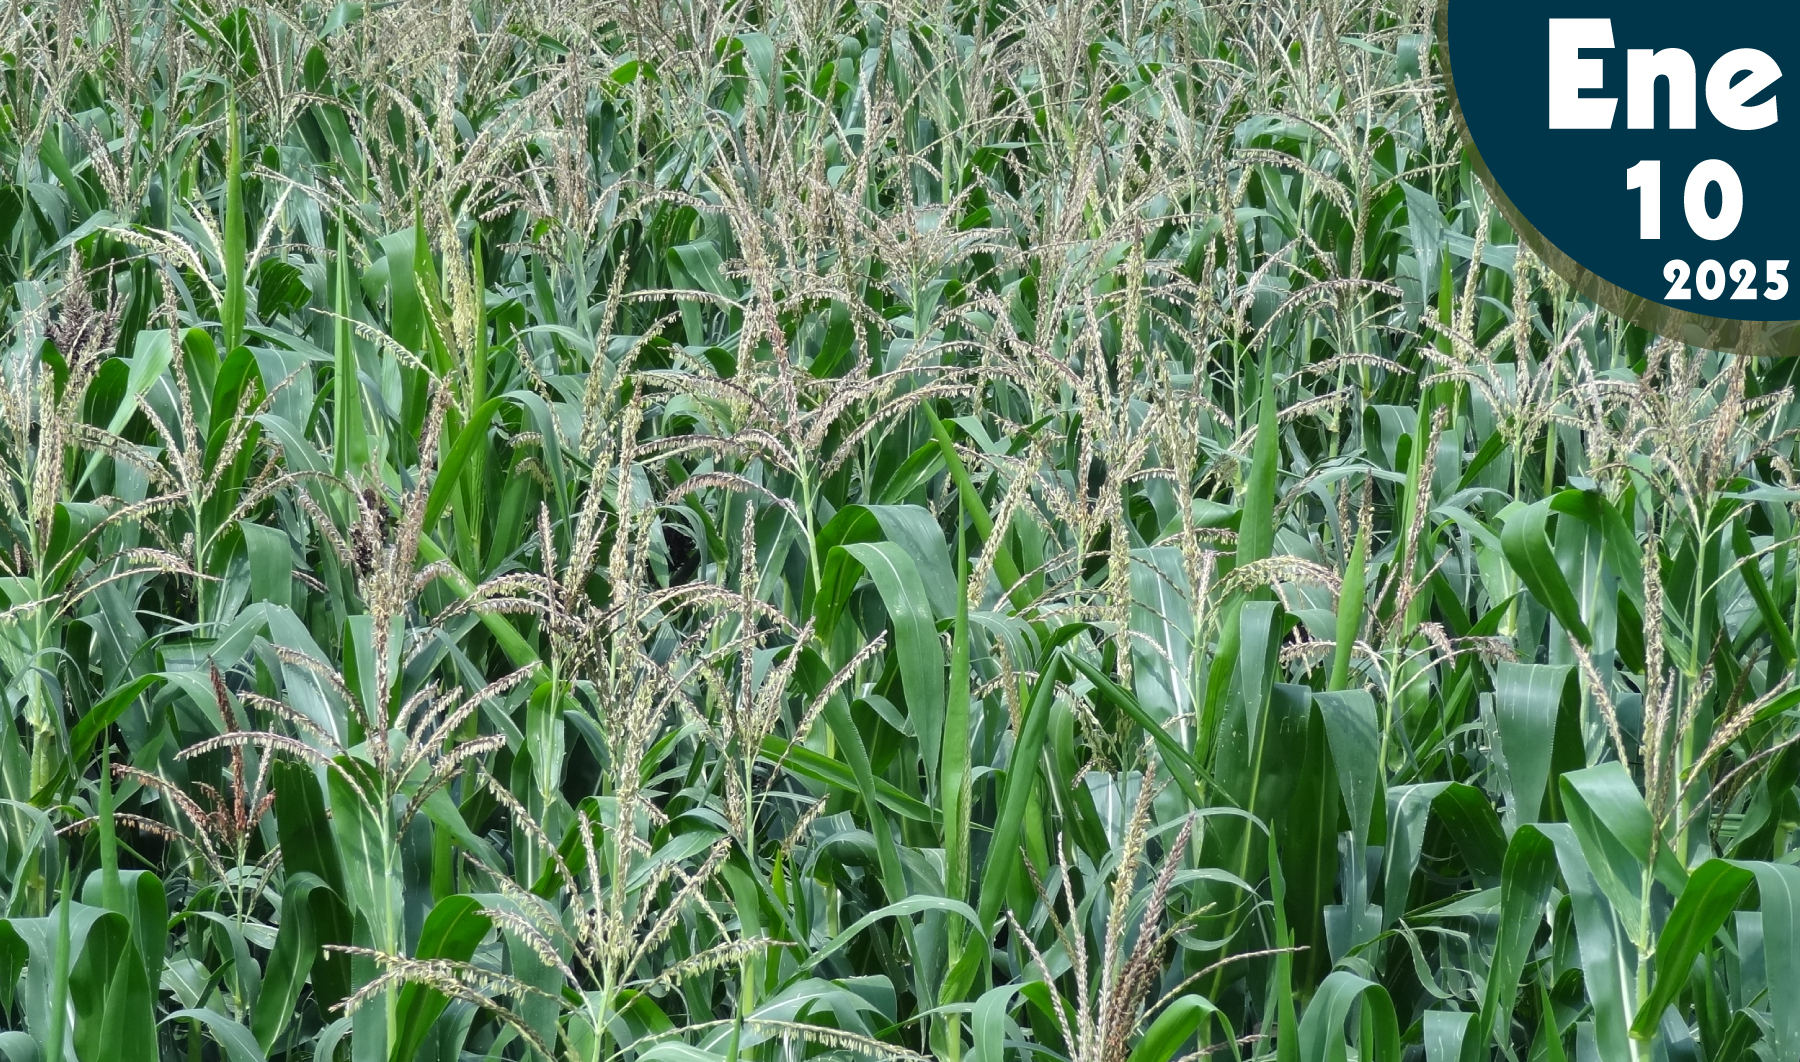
454,927
988,1023
1256,530
925,464
1181,763
1021,778
104,714
1779,885
446,815
239,1045
1750,568
1260,626
1538,708
470,441
1616,834
1527,546
915,530
406,312
1618,546
916,644
545,422
517,649
703,266
850,745
1322,1036
1470,819
820,768
1490,450
1608,958
1011,579
1177,1023
955,788
296,946
1287,1018
71,525
1525,882
235,290
271,563
19,1047
349,439
1299,797
1446,1033
51,154
902,908
145,907
371,883
837,345
1408,812
237,381
1735,1045
1711,895
111,996
1354,728
1350,610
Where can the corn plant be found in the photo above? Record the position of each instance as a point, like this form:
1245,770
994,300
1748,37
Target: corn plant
719,532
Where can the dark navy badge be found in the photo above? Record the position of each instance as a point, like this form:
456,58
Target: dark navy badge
1648,151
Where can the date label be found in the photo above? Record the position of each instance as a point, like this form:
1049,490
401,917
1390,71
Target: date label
1709,279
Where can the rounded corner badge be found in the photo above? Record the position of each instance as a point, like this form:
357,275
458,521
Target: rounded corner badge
1648,151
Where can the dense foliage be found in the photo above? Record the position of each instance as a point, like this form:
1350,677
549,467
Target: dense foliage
687,530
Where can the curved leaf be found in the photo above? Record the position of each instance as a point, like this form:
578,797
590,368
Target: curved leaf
1711,895
1322,1036
454,927
1526,542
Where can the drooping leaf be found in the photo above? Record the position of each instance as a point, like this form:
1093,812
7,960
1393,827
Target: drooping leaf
451,932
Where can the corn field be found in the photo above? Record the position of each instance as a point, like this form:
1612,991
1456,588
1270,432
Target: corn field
725,531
